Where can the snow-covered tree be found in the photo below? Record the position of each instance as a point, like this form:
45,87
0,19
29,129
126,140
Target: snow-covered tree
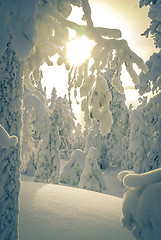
10,118
96,140
72,171
28,150
120,114
152,116
91,177
78,138
139,141
141,205
110,146
53,98
48,159
65,122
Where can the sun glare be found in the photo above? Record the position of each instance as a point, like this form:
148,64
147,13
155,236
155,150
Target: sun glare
79,50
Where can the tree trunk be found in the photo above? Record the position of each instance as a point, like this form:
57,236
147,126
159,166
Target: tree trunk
11,90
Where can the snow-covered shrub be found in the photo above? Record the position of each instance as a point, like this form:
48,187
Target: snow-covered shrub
73,170
91,177
141,212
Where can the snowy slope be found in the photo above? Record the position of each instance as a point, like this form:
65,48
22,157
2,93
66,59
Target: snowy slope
54,212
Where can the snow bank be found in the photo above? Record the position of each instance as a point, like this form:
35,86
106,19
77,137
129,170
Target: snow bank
141,205
57,212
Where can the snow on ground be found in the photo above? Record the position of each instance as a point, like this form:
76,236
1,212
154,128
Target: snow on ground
55,212
113,186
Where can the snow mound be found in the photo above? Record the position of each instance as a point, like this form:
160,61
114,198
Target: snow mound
141,206
57,212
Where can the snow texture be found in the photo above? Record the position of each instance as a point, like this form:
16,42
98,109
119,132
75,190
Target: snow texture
10,118
141,205
17,20
56,212
6,140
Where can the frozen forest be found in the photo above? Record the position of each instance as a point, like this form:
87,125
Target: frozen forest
60,173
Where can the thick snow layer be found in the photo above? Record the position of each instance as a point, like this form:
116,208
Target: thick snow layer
141,206
57,212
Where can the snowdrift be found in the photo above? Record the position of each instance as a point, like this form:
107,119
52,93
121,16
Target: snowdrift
55,212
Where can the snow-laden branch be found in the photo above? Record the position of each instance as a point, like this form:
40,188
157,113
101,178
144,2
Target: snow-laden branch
109,51
5,139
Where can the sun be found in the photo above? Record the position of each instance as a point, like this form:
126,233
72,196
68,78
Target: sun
78,50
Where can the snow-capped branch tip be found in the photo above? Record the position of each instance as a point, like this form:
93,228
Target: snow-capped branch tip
86,30
142,180
6,140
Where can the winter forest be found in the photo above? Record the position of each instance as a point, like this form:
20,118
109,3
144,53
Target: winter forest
79,164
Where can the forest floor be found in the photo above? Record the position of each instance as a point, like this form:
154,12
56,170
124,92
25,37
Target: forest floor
57,212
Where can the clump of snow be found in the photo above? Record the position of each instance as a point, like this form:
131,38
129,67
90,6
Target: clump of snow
5,139
122,174
142,180
159,82
141,212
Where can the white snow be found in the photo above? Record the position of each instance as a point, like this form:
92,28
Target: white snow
141,212
5,139
57,212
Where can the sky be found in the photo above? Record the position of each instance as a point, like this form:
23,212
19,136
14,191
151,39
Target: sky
132,21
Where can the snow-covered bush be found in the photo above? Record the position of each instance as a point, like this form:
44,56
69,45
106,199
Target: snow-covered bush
73,170
91,177
141,212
